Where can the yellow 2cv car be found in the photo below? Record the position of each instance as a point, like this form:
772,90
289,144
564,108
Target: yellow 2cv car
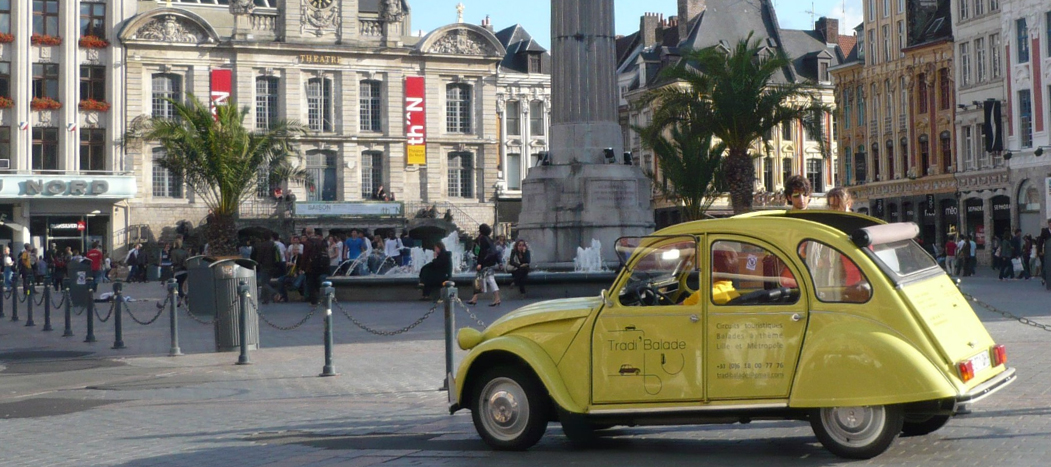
835,319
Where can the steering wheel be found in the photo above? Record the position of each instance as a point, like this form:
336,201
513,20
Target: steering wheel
650,296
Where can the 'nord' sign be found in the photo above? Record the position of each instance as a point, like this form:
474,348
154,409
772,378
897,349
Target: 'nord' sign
63,187
415,121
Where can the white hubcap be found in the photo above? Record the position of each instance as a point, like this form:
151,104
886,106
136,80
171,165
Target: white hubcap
505,408
854,426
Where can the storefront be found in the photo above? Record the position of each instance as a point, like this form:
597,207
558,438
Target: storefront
1001,215
950,218
908,212
929,225
892,212
975,218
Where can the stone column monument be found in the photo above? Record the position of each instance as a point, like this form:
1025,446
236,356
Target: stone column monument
581,195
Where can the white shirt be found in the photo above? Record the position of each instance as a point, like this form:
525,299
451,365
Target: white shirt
392,247
282,249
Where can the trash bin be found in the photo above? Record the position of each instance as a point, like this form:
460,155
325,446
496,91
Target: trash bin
212,290
79,275
200,294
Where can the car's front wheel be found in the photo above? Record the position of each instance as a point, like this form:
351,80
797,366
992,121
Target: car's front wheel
857,432
510,409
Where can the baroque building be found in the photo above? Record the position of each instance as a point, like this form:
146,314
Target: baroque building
705,23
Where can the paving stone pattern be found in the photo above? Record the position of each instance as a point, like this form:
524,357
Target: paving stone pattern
143,408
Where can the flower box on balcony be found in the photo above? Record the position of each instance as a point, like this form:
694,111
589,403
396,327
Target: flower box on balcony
6,103
45,103
6,38
92,105
43,39
93,42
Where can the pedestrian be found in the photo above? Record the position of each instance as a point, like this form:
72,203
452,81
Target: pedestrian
314,263
434,274
335,253
95,256
950,256
132,261
972,256
485,278
1026,256
406,248
282,253
1006,253
61,267
392,248
265,255
178,256
354,250
9,266
839,199
518,264
797,192
245,250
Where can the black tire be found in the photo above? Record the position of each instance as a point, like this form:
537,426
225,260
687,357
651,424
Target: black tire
509,408
857,432
923,424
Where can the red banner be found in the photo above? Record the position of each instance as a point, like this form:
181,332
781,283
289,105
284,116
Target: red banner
415,121
222,87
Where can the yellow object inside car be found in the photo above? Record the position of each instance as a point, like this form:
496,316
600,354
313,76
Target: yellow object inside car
722,292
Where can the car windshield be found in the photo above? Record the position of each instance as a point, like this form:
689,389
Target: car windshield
903,258
659,267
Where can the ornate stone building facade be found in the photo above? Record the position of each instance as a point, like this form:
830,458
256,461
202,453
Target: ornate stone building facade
343,69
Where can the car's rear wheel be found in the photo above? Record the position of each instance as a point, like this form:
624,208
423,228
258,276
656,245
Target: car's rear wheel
857,432
919,425
510,409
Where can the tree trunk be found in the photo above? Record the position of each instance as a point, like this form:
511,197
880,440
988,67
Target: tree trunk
221,234
740,178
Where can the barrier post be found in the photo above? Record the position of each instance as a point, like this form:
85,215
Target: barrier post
118,325
47,306
91,310
242,293
450,328
69,309
14,302
29,305
3,290
330,292
173,297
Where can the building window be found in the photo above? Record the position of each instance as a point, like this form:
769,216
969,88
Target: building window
979,7
848,108
965,64
848,160
859,165
903,90
1025,117
458,108
534,63
994,56
93,149
513,118
371,173
536,118
513,172
994,5
815,172
901,6
875,163
45,149
165,183
925,155
861,106
872,10
944,89
886,11
814,120
371,109
5,142
885,31
768,173
1047,30
964,14
921,90
461,175
968,147
265,102
45,17
901,38
786,168
946,143
45,80
92,83
979,60
5,77
92,19
167,89
872,46
5,16
321,166
319,104
1022,39
787,131
890,160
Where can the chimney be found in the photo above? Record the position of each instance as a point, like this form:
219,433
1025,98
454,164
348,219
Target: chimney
828,28
487,24
688,11
648,29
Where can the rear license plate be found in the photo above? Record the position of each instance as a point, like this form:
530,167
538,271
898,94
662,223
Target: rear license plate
981,362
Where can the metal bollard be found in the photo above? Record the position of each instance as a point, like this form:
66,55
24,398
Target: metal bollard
118,324
29,305
3,290
69,309
450,330
242,293
91,310
173,297
47,307
329,293
14,302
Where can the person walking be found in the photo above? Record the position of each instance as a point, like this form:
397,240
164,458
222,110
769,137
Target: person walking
132,260
314,261
1006,253
61,267
434,274
1026,255
335,253
25,266
9,266
353,250
485,278
518,264
265,254
950,256
178,256
95,256
392,248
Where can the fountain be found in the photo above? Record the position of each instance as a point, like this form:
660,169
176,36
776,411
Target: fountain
589,259
420,257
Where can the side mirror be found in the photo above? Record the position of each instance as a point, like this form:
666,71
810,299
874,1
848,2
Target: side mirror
693,281
605,297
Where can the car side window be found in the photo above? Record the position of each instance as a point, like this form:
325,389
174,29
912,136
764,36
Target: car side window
661,274
837,278
747,274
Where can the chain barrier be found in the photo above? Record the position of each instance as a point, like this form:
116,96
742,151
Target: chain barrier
160,311
167,300
22,297
377,332
61,302
8,292
1008,315
78,313
259,312
469,313
186,306
108,316
41,301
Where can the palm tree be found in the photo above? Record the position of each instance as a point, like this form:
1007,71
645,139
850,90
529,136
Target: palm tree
222,161
737,96
689,164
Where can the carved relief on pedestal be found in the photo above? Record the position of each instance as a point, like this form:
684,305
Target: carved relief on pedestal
170,28
462,42
320,17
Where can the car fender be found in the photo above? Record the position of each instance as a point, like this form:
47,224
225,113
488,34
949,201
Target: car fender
857,362
527,352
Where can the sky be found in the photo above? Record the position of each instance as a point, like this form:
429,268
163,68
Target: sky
535,15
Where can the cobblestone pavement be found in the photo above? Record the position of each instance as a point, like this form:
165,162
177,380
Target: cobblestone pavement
64,402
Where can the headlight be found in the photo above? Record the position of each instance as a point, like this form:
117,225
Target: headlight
467,338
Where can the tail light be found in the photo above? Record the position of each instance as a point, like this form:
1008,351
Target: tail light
966,370
999,355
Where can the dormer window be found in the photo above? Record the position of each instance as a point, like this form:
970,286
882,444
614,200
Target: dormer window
534,63
822,71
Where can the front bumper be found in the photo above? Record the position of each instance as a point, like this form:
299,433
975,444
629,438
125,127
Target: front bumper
987,388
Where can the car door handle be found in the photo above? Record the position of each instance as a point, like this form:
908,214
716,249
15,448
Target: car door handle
797,317
695,318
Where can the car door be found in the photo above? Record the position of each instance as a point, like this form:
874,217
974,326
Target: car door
756,319
647,345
